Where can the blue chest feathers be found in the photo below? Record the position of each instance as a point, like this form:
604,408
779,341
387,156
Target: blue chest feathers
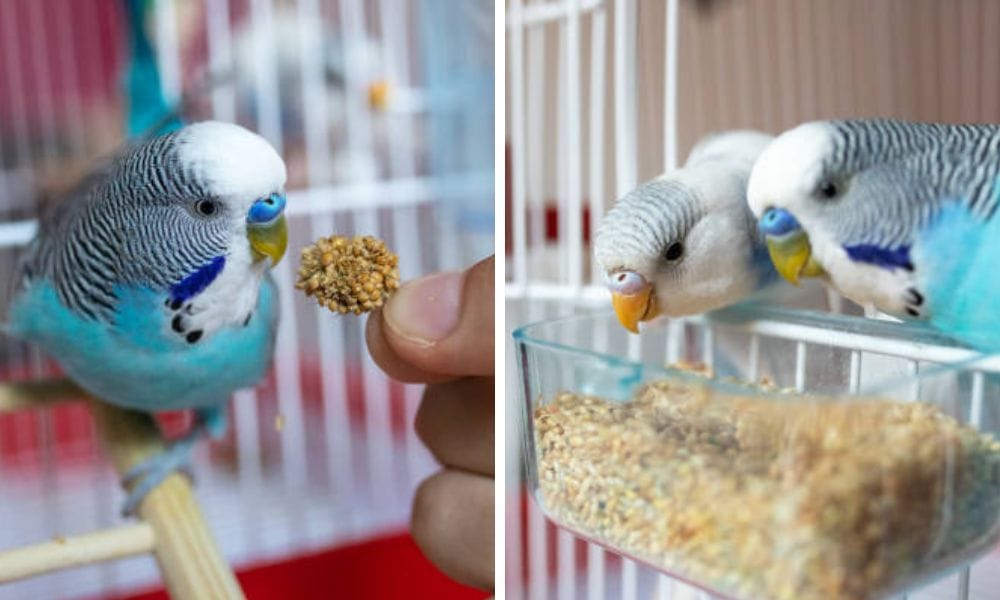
134,363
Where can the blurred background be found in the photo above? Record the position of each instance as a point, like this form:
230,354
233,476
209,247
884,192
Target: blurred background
383,111
604,94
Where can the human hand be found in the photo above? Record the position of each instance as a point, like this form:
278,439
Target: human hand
439,330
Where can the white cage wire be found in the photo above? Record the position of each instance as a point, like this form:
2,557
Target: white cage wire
324,451
602,94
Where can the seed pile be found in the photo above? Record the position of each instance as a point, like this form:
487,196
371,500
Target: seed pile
348,275
782,498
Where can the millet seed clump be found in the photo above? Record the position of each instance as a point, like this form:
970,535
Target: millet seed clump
348,275
774,497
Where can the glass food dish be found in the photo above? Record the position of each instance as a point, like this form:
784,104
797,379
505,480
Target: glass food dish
785,454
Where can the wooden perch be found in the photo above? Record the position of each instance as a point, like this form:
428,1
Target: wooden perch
188,557
32,394
172,526
76,551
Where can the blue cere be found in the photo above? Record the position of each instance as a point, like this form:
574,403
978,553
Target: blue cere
777,221
267,209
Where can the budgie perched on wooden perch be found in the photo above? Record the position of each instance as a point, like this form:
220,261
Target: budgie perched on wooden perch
150,284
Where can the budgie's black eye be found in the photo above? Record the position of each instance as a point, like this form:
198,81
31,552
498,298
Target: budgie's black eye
828,190
206,208
674,251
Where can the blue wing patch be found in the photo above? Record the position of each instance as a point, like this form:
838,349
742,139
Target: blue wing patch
196,282
881,257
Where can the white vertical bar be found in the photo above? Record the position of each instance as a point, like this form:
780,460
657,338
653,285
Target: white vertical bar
337,433
518,148
670,88
664,588
378,426
976,403
50,479
251,478
675,340
289,391
286,364
352,32
835,301
266,75
635,347
396,46
596,145
753,360
330,334
914,369
708,351
566,566
538,553
963,584
855,372
220,58
595,572
563,240
574,202
314,101
537,174
800,366
168,53
630,579
625,108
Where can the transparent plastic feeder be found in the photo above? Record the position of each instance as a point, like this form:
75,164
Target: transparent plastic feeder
791,456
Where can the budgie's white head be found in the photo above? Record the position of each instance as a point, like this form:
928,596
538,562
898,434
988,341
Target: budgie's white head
244,179
841,200
685,242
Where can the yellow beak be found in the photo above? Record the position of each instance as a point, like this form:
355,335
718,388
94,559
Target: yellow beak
633,308
269,241
792,256
378,95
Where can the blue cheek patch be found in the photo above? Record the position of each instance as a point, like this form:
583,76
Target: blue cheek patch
196,282
881,257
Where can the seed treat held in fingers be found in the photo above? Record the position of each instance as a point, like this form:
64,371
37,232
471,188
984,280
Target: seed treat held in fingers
348,275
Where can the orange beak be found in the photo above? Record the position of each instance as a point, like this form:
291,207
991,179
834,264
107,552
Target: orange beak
633,308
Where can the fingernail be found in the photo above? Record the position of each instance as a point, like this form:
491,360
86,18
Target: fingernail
425,310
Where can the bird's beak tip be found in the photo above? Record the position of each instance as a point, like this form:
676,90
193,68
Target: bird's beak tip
631,309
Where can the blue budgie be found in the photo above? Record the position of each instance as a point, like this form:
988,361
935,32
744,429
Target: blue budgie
150,284
896,214
685,242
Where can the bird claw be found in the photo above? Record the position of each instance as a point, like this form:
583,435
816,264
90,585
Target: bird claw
912,301
150,473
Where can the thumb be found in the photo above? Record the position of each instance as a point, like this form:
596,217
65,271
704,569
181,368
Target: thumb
438,325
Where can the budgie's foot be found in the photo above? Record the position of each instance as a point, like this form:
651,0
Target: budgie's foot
151,472
913,300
